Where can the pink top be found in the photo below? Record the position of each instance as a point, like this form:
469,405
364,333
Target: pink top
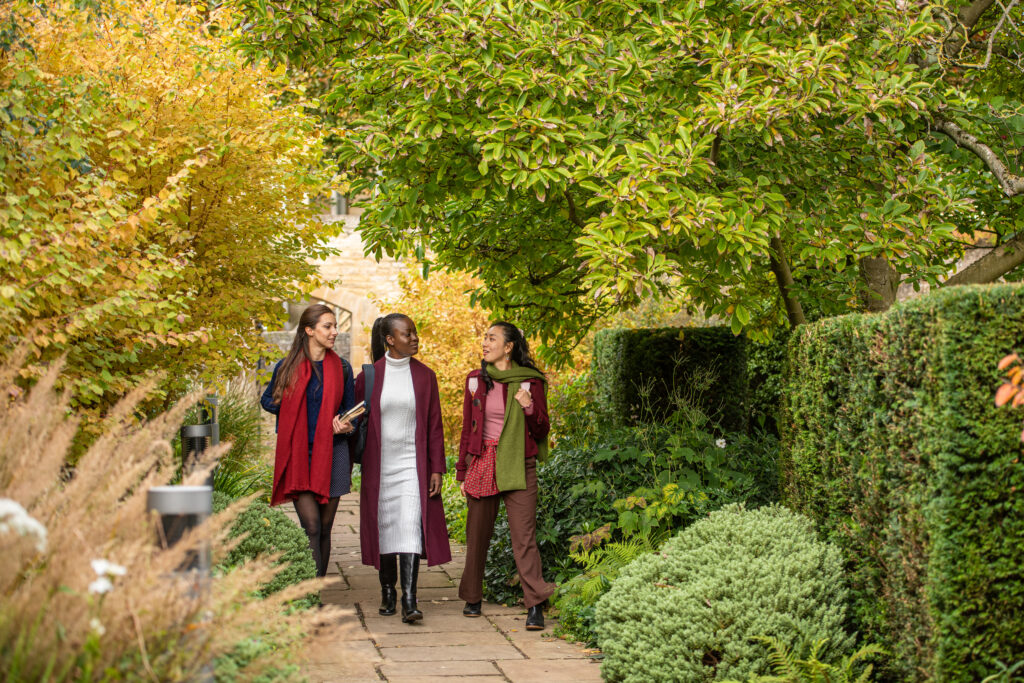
494,415
494,412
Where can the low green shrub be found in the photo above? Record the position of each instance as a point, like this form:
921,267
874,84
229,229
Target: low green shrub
645,481
268,530
229,667
689,611
454,504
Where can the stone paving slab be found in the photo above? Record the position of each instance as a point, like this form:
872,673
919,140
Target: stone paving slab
445,653
446,679
549,671
378,627
356,644
445,638
459,668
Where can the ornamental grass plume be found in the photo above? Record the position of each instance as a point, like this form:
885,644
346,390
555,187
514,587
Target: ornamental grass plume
100,599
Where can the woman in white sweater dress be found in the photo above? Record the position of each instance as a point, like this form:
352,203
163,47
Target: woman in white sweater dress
401,514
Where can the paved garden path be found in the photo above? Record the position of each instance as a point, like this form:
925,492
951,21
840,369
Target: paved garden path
445,647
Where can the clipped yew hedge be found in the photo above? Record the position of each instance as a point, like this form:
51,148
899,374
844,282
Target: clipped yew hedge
666,361
893,444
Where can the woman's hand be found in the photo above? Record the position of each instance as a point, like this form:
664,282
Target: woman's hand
434,488
462,487
523,396
342,426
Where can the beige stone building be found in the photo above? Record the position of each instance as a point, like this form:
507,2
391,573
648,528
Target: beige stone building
359,279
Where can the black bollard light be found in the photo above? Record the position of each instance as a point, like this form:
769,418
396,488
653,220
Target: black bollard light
182,508
195,439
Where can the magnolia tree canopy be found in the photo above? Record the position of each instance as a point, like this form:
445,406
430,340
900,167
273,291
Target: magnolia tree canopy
768,160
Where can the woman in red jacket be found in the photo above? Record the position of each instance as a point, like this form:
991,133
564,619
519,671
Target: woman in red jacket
504,434
401,516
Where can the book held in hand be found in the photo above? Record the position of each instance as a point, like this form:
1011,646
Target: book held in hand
355,411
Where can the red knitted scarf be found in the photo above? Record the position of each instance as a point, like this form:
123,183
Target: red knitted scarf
294,471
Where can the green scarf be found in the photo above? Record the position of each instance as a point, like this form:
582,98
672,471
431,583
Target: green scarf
510,469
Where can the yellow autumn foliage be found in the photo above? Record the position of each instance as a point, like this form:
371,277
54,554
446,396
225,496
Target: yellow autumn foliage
154,194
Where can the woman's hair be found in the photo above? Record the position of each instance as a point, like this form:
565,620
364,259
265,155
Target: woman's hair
520,352
299,351
382,327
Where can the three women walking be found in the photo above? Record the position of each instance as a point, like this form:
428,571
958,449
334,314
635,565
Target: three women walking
504,434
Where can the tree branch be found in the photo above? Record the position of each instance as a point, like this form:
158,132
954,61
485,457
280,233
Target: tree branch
1011,184
993,265
969,16
572,210
784,278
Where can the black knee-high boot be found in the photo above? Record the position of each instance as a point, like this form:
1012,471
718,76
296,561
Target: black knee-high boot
409,565
388,578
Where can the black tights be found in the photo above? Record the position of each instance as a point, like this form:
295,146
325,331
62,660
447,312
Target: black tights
316,520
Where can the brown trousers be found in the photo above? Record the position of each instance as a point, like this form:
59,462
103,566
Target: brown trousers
521,507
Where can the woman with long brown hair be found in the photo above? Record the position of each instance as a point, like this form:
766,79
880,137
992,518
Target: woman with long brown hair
310,389
401,516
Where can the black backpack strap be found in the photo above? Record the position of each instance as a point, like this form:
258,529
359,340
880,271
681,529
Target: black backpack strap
368,386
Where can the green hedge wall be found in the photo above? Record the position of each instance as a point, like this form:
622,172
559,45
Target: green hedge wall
893,444
667,360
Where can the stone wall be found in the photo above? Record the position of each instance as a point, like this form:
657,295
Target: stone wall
360,281
283,341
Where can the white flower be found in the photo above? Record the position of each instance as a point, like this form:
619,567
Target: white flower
105,568
100,586
720,443
13,517
97,626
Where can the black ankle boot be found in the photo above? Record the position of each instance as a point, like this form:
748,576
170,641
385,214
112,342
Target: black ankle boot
388,578
535,618
409,565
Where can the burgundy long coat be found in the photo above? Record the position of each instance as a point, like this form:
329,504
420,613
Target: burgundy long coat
429,460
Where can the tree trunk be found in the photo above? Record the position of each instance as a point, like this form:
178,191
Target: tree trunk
784,278
882,282
992,266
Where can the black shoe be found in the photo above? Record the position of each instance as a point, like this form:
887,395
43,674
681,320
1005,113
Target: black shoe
388,578
409,566
472,609
535,618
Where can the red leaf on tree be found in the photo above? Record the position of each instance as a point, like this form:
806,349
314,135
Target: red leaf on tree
1007,360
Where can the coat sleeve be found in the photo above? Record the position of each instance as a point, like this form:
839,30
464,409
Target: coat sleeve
267,400
467,418
435,431
537,419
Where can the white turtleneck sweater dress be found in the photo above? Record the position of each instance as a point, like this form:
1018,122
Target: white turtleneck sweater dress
398,502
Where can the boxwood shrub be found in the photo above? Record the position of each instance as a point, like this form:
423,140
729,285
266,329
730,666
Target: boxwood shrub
268,530
690,611
893,444
664,362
